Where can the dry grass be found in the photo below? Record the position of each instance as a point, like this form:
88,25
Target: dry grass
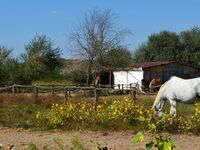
44,100
19,110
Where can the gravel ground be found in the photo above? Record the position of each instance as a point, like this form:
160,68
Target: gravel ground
21,139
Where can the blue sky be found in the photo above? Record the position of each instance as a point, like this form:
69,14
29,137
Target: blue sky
21,20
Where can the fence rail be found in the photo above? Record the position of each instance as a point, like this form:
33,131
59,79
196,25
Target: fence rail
68,89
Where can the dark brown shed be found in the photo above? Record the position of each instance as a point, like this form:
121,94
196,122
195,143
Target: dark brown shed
165,69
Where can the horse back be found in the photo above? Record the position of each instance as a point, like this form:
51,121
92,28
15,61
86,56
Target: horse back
183,90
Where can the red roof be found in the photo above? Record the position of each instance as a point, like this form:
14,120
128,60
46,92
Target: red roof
153,64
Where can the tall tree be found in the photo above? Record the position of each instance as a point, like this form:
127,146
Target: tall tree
95,35
191,46
40,57
164,45
117,57
183,47
4,53
4,58
141,54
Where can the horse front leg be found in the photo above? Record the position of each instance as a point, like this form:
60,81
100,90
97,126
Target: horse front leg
173,107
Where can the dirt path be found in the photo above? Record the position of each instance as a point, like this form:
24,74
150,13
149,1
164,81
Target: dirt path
113,140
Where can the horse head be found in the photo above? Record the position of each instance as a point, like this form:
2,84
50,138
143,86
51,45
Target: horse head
158,103
154,82
158,112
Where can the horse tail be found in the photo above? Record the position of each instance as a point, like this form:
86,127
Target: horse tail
158,97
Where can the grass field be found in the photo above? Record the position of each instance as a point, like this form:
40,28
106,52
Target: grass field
20,110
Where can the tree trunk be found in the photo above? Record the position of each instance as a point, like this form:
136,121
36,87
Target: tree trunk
89,73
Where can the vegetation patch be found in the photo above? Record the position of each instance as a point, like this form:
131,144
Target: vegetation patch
118,114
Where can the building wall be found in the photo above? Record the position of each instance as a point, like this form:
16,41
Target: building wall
135,77
127,77
164,72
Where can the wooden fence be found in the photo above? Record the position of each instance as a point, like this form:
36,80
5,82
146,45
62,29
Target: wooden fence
67,90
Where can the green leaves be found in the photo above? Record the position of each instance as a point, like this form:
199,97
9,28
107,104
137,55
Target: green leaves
141,118
123,56
171,46
150,145
139,137
152,126
41,58
161,144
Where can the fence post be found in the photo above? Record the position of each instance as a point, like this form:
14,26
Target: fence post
84,94
119,86
130,85
35,90
96,95
67,94
17,89
13,89
53,90
133,94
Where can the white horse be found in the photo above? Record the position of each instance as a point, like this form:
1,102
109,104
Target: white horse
176,90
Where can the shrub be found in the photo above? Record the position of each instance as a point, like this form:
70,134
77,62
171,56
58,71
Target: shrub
83,114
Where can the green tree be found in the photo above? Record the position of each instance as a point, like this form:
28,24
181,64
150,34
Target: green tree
183,47
141,54
4,58
12,71
41,58
4,54
117,57
164,45
17,72
191,46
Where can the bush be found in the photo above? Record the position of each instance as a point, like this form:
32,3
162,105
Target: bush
117,114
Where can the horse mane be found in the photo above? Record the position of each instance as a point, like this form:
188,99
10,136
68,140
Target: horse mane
157,100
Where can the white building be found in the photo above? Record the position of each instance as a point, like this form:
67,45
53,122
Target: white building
126,78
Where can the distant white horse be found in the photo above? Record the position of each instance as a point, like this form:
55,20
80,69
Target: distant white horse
177,90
